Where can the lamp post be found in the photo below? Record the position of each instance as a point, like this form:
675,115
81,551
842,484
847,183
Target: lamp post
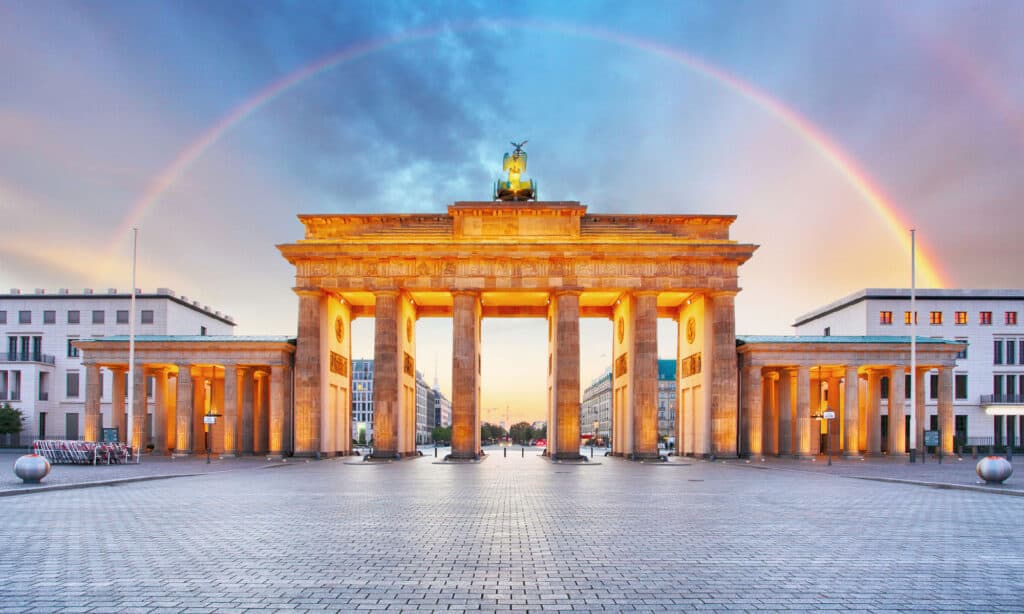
827,416
593,437
209,418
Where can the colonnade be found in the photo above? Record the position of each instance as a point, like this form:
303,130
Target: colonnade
250,402
783,407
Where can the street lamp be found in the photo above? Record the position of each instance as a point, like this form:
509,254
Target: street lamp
209,418
827,415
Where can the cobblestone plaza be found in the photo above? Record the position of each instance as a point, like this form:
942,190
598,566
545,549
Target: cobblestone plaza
511,534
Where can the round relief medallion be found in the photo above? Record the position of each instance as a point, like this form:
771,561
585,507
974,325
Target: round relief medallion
691,330
408,329
339,329
621,329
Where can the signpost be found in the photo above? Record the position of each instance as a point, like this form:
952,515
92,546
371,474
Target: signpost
110,435
208,419
827,415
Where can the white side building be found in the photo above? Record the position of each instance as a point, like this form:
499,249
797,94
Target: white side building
989,376
41,373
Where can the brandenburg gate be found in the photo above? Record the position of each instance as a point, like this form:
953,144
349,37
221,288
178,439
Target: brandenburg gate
515,258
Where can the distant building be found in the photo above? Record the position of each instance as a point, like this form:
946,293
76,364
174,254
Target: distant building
424,409
988,380
596,405
432,407
362,400
41,373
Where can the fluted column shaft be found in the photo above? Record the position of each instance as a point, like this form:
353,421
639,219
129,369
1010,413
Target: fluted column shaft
565,342
246,418
93,417
183,400
850,413
645,380
723,375
786,412
308,392
159,437
897,411
118,417
386,375
230,410
803,411
140,410
755,411
874,423
277,402
946,408
465,374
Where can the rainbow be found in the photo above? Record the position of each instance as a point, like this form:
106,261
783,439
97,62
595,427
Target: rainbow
928,269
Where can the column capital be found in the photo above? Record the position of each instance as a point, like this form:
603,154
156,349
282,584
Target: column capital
645,292
772,375
567,291
464,292
713,294
305,291
387,292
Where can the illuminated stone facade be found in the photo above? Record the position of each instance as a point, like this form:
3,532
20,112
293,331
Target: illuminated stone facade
540,259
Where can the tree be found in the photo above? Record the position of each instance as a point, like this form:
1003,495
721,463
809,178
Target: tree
11,420
441,434
490,431
521,432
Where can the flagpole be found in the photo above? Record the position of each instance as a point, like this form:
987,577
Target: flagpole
129,436
918,419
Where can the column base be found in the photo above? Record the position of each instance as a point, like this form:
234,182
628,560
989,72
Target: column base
181,454
646,457
873,455
804,457
275,456
568,456
853,455
227,455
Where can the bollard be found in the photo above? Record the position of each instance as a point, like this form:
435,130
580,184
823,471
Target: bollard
974,452
435,451
524,452
913,455
504,452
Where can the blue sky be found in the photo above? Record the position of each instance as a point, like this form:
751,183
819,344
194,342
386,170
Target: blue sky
99,98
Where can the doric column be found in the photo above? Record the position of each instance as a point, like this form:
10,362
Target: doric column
850,413
261,415
277,399
118,417
199,402
723,374
308,393
183,400
896,442
645,381
465,374
874,423
245,421
803,412
920,415
386,375
140,412
564,324
93,417
230,410
770,423
159,437
946,408
786,412
755,409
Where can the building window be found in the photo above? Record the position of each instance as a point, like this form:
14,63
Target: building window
14,385
885,317
935,318
72,350
960,318
72,385
24,317
98,317
1011,352
997,386
828,331
933,386
906,318
1011,318
960,385
962,353
997,352
49,317
147,316
202,331
985,318
74,317
122,316
3,317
